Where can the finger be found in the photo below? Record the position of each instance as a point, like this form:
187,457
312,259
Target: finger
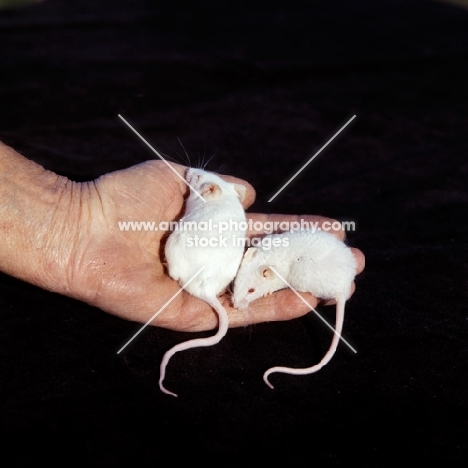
177,171
283,222
360,260
188,314
280,306
250,193
191,314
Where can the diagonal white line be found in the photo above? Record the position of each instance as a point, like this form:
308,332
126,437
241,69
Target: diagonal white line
310,160
160,157
160,310
316,313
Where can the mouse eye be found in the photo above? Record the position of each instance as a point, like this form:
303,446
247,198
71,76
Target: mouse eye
251,290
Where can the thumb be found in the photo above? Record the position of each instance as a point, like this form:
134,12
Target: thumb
281,306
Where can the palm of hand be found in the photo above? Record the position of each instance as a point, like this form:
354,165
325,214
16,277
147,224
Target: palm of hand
119,271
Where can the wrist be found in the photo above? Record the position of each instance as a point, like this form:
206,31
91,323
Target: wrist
36,235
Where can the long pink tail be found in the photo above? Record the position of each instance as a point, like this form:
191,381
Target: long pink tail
340,310
197,342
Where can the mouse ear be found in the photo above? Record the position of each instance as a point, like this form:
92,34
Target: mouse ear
241,190
249,253
267,272
210,191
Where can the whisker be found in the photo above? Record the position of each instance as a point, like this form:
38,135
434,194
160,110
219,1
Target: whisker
187,159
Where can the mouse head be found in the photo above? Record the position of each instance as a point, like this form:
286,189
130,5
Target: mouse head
212,187
255,278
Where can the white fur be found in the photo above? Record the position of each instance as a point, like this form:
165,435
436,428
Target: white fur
315,262
221,262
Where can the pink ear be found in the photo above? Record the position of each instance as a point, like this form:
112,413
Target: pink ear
241,190
267,272
210,191
250,252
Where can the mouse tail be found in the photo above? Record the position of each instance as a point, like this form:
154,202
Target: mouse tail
340,310
223,325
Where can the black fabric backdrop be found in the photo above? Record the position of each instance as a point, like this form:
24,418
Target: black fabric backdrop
262,86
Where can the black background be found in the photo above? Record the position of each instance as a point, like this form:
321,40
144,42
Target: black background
260,86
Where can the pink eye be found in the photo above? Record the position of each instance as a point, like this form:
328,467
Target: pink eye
251,290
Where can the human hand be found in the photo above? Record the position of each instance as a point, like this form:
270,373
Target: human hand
122,272
64,236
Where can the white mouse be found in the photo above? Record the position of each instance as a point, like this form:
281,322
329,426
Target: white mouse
308,261
198,243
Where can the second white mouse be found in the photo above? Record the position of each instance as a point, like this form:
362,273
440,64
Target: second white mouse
307,261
